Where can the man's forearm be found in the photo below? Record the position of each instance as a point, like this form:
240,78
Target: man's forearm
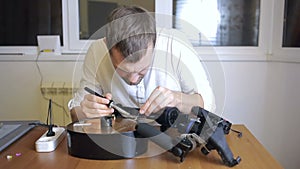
77,114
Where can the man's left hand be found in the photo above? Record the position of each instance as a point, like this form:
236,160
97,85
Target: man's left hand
160,98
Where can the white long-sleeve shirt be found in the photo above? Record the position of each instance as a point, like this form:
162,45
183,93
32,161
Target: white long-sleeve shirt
175,66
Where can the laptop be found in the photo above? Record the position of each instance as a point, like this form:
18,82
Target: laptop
11,131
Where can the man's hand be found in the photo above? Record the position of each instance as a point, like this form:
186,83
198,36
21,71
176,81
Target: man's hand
162,97
94,106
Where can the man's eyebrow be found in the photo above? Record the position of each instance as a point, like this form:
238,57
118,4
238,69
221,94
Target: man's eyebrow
135,71
123,70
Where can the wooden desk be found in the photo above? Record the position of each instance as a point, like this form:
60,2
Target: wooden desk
253,155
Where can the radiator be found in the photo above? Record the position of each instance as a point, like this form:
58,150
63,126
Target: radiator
60,93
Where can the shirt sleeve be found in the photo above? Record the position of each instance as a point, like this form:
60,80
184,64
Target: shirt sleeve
88,79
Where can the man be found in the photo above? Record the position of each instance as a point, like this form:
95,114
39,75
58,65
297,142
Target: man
139,66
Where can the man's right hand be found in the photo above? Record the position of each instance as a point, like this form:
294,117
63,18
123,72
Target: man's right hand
94,106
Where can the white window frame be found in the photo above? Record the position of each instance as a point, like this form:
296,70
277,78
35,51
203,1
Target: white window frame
165,7
75,44
279,53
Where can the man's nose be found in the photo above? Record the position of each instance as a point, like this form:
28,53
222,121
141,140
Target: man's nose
133,78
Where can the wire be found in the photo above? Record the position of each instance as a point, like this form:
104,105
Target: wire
41,82
240,134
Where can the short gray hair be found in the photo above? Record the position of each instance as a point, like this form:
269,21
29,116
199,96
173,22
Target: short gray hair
131,30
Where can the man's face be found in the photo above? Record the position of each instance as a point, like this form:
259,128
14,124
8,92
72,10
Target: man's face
131,73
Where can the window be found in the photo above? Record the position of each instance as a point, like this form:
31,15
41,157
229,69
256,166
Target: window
90,16
285,33
291,24
93,14
21,21
233,29
221,44
218,22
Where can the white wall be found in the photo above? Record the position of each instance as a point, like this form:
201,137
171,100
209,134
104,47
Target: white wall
281,131
265,97
19,91
262,95
20,87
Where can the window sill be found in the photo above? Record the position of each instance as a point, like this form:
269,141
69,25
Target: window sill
42,58
205,57
285,58
231,53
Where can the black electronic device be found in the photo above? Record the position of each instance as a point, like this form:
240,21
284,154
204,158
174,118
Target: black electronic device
116,139
198,128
